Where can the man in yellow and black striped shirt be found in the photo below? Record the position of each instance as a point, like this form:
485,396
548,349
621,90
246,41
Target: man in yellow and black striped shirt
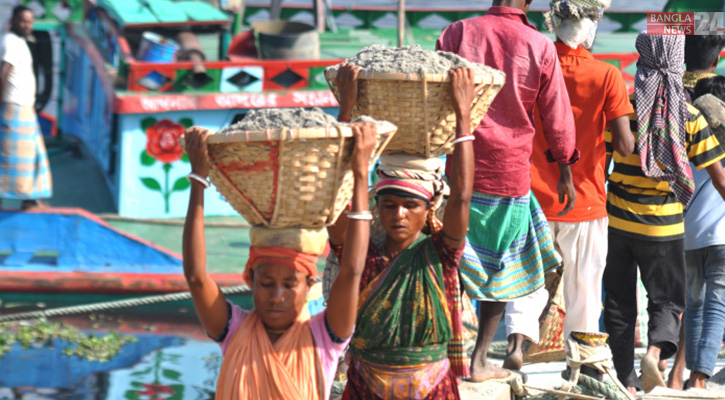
646,230
642,208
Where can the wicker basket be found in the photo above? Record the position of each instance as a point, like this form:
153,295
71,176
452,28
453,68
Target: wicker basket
420,105
287,177
551,332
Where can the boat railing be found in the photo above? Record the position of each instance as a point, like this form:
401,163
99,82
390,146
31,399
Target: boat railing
244,75
370,17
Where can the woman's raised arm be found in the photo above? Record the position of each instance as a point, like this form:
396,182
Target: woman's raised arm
347,85
209,301
342,303
460,178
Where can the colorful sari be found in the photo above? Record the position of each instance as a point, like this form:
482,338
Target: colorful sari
408,336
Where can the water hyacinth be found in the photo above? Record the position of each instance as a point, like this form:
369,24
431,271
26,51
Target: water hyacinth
85,346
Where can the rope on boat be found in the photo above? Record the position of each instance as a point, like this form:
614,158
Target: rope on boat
110,305
174,222
609,390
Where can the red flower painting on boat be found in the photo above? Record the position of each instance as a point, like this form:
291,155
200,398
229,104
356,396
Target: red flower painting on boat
162,146
163,141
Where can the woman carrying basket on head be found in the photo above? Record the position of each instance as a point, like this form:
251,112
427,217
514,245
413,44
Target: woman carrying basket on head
277,351
408,336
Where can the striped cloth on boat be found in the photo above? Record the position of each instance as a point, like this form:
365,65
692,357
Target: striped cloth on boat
24,169
509,248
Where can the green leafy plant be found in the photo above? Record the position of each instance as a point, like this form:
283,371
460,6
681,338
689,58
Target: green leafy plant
86,346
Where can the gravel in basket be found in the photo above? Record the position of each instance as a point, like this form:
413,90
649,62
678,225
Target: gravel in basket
410,87
286,168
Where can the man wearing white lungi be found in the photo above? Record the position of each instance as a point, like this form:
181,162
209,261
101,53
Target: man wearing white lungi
598,97
24,169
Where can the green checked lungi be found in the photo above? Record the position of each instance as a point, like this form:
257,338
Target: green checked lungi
24,168
509,248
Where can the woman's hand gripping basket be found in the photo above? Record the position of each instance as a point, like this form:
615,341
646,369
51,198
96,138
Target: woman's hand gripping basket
285,178
420,105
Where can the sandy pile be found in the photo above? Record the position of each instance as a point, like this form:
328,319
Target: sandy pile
292,118
412,60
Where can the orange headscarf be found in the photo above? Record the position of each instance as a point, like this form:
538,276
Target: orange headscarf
303,262
255,369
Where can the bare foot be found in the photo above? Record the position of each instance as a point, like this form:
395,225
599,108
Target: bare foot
697,380
674,380
489,371
514,354
650,373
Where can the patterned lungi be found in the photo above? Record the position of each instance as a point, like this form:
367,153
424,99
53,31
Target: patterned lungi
509,248
24,169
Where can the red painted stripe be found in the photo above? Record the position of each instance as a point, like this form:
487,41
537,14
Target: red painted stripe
175,24
281,65
143,103
89,282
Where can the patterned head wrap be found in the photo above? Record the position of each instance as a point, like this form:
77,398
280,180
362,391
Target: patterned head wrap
416,176
662,112
573,10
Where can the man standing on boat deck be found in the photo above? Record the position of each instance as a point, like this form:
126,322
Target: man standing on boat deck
510,246
24,169
598,97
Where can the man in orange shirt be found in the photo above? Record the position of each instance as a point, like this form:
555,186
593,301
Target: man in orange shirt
598,98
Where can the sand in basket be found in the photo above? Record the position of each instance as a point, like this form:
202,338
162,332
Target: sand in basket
410,87
284,168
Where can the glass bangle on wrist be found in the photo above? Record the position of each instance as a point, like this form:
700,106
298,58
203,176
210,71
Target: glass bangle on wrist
361,215
199,179
462,139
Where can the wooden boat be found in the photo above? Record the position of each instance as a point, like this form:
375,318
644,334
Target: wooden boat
127,112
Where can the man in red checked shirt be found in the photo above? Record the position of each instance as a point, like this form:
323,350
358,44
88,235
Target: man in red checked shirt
509,242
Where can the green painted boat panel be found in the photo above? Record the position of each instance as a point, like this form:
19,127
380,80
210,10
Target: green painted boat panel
167,11
128,12
200,11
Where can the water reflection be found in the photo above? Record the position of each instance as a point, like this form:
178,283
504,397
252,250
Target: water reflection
158,366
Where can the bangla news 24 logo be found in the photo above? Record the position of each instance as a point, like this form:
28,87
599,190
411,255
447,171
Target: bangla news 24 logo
685,23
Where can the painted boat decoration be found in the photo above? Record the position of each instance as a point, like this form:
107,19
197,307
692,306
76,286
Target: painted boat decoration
128,107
